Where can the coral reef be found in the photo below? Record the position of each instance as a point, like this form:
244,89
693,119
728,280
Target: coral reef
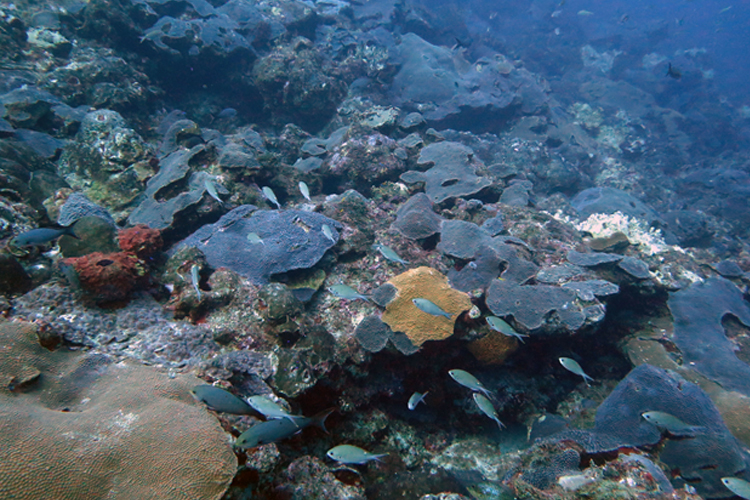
423,282
112,428
109,277
292,239
140,240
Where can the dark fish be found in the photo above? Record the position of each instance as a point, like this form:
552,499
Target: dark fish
674,72
41,236
105,262
271,431
218,399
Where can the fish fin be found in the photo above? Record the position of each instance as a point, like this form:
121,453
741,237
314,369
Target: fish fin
68,231
319,419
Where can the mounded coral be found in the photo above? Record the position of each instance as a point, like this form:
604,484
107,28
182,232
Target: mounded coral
84,426
424,282
111,276
493,349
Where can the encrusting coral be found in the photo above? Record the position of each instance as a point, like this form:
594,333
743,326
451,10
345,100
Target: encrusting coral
424,282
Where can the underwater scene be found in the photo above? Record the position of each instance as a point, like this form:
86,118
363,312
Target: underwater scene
374,249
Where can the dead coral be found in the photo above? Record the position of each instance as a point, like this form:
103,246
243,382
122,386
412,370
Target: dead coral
424,282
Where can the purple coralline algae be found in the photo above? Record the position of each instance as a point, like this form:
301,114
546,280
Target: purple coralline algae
698,332
531,305
415,218
172,195
701,458
453,172
291,239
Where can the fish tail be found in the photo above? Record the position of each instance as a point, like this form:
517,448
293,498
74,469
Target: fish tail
68,231
319,419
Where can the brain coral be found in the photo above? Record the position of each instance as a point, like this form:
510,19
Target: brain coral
82,426
424,282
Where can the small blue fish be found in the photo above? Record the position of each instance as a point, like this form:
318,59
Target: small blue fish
346,292
389,254
738,486
415,399
328,233
348,454
468,380
271,196
210,186
41,236
195,278
499,325
270,409
255,239
218,399
271,431
573,367
304,190
671,424
429,307
486,407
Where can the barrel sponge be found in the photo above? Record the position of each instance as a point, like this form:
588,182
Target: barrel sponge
86,426
424,282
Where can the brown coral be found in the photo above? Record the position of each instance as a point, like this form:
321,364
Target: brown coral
493,349
89,427
428,283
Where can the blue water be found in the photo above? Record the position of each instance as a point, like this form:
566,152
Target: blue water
637,28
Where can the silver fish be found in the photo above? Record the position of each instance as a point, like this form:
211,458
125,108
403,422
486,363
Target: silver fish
304,190
255,239
218,399
671,424
210,186
429,307
270,409
271,196
196,279
328,233
738,486
486,407
346,292
499,325
348,454
415,399
389,254
573,367
41,236
271,431
468,380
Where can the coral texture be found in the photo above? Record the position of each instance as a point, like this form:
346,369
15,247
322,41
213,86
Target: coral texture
424,282
88,427
111,276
